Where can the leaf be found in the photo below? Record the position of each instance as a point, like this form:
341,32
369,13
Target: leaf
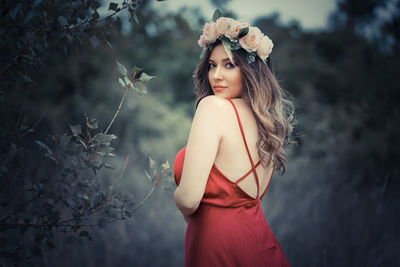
69,37
134,71
62,21
109,44
92,124
128,214
76,129
94,41
243,32
128,82
148,175
145,77
106,151
122,69
235,45
95,15
217,14
95,5
165,165
108,166
133,18
113,6
152,163
104,138
227,48
26,78
13,12
115,202
140,88
251,57
44,146
203,53
123,84
83,144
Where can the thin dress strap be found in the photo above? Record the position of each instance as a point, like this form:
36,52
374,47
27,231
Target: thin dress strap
248,151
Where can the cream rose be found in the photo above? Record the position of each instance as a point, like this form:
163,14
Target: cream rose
223,25
251,40
202,41
235,28
265,47
210,32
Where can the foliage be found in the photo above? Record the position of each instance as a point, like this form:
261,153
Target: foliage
50,183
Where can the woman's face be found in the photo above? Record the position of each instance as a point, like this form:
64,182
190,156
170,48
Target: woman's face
225,79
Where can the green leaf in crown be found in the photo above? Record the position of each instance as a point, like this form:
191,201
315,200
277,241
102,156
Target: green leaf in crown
203,53
243,32
227,46
217,14
235,45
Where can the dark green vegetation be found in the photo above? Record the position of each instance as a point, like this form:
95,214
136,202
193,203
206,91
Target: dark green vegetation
335,206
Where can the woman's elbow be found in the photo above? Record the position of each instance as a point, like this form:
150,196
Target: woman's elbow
186,204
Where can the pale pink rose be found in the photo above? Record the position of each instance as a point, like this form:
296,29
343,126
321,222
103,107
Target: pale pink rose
235,28
265,47
210,32
223,25
202,41
251,40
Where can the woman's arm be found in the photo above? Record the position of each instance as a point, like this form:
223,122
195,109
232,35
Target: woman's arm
205,136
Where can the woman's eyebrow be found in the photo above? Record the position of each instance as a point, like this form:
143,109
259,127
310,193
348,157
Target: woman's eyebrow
225,59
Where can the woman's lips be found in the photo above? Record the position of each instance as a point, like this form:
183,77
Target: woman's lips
219,88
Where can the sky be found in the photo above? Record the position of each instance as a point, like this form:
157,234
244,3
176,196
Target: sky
312,14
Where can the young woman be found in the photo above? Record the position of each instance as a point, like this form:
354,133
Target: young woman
241,123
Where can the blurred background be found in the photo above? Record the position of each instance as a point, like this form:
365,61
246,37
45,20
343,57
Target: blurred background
337,203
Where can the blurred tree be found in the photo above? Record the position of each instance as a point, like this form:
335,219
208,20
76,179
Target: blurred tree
50,184
377,20
219,3
346,86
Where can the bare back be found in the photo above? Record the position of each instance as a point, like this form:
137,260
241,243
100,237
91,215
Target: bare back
232,158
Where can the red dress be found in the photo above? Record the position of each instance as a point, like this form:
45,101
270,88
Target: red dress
229,227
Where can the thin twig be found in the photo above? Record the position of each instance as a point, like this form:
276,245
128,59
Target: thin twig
128,86
22,49
37,122
148,195
124,168
118,110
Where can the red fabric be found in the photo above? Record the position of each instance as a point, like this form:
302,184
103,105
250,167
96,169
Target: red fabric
229,227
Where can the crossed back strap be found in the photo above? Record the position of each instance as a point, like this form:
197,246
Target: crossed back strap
253,169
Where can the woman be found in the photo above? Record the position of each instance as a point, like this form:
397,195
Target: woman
241,123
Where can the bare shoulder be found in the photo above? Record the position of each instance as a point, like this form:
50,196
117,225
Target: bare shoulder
214,110
213,103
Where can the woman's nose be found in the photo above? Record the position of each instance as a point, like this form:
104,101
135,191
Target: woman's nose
217,75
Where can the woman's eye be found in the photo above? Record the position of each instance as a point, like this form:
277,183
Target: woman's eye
211,66
230,65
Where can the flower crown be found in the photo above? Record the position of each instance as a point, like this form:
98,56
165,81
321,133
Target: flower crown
235,34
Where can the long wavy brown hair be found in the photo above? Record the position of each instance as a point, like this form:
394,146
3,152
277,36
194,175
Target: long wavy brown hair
271,106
